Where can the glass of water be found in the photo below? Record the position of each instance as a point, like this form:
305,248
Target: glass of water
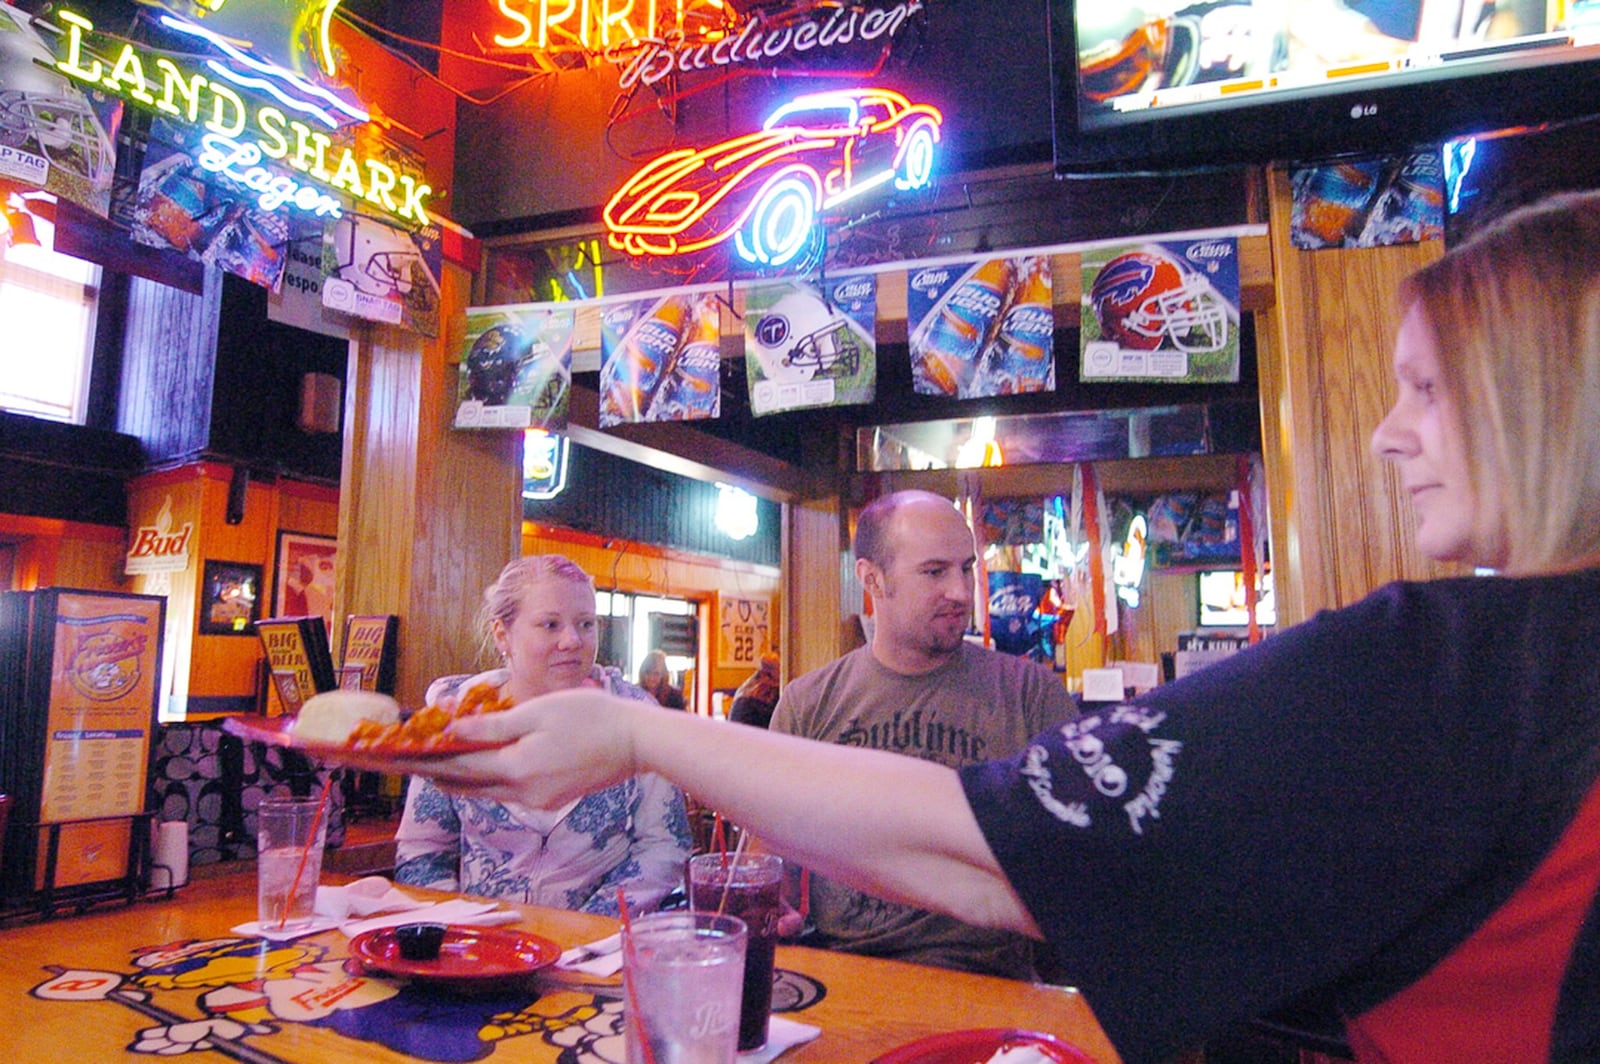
684,973
291,834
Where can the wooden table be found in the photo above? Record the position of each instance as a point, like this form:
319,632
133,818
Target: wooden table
165,974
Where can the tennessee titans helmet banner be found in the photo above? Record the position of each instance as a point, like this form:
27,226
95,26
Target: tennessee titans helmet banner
808,345
982,328
516,367
377,272
1163,311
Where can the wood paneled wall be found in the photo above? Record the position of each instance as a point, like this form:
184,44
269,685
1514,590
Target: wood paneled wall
1340,524
814,631
427,515
54,553
205,674
168,366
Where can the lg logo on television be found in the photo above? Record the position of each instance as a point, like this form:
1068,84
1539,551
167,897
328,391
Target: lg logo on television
1363,110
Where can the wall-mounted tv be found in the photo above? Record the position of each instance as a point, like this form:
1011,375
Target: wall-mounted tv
1222,602
1141,87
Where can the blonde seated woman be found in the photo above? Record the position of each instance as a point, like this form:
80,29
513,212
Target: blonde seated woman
540,613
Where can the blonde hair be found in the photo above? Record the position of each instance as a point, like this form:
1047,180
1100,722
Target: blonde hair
1515,313
503,598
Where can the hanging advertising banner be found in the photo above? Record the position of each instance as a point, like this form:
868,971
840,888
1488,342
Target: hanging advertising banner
982,328
380,273
54,135
1163,311
661,359
808,345
1368,202
205,215
516,367
297,299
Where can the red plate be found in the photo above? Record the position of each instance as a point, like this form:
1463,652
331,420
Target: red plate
469,957
279,731
977,1046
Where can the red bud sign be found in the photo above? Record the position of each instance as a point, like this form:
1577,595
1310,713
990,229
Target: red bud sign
156,548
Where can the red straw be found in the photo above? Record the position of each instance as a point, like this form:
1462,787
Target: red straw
635,1016
305,854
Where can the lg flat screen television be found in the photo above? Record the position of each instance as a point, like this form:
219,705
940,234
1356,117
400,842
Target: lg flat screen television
1153,87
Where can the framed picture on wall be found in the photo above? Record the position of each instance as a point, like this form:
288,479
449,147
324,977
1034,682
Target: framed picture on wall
303,576
230,598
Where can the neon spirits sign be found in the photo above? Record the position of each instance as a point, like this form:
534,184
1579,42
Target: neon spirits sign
652,39
765,190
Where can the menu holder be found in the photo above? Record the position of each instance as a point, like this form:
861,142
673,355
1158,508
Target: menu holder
371,648
298,657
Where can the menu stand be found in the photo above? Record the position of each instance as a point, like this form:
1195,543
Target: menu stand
125,887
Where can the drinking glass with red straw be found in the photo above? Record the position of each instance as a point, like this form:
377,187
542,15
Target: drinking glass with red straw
635,1015
305,852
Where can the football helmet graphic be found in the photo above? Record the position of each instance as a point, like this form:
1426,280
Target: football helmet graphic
494,361
799,338
1143,298
42,110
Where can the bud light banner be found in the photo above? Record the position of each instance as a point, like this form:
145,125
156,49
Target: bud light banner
1013,601
661,359
1165,312
1368,203
516,367
807,345
982,328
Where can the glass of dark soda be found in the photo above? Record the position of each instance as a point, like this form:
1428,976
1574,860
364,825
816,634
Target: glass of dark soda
749,886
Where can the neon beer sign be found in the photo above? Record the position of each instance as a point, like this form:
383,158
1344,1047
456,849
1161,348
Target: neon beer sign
765,190
653,39
254,143
598,24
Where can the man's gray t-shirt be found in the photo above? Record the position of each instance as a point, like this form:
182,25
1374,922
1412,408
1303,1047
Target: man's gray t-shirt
978,706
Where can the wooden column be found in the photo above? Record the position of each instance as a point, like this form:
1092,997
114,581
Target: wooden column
428,515
813,632
1340,524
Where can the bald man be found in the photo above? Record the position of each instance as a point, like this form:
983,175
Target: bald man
920,689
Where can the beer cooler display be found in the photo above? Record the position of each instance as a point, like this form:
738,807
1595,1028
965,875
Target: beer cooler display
79,680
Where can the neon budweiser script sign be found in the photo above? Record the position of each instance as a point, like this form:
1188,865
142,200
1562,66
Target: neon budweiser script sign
284,160
655,39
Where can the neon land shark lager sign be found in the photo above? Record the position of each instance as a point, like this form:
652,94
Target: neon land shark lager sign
284,160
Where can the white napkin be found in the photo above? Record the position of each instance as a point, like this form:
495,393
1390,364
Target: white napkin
336,906
602,957
782,1034
455,911
371,894
273,933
